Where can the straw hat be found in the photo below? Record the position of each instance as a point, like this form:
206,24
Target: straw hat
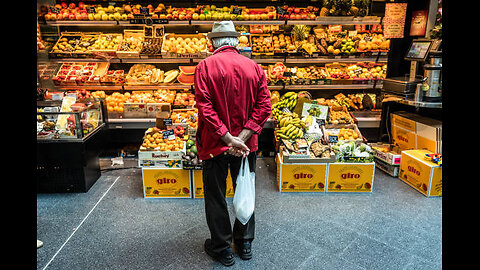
223,29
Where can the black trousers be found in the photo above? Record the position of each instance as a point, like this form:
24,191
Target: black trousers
215,171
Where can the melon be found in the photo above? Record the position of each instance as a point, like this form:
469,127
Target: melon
188,70
186,79
170,75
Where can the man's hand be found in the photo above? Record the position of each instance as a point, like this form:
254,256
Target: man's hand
237,146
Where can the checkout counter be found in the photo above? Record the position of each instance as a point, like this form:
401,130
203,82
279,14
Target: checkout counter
421,91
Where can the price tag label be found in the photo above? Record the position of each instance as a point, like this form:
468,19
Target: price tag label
167,122
90,9
236,11
332,138
168,134
287,74
54,10
144,11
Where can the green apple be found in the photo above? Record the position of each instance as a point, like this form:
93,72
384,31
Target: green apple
201,17
104,17
90,17
208,17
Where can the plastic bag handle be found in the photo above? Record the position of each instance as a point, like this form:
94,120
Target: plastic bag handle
242,166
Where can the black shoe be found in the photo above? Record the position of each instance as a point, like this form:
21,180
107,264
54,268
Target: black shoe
225,257
244,250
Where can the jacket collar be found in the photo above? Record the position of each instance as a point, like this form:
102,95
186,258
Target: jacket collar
226,48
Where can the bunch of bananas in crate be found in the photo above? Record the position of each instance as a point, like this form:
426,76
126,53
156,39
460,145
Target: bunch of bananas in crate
289,100
290,126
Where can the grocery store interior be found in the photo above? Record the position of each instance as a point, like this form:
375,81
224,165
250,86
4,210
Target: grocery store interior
349,164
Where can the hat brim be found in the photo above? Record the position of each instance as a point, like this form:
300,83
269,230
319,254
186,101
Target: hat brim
223,34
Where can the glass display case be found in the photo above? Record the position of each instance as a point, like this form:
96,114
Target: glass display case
76,122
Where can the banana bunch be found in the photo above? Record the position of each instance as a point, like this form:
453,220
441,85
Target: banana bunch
291,127
289,101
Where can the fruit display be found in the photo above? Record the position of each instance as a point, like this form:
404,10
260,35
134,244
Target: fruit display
107,42
184,44
113,77
345,8
262,45
80,73
144,74
188,116
151,46
283,43
190,158
339,115
297,13
164,96
98,94
352,151
184,99
287,101
343,134
154,140
132,44
365,71
186,75
290,126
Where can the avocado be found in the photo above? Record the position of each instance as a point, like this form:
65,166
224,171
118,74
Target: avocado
367,102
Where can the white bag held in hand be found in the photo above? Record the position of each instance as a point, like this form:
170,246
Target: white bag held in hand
244,197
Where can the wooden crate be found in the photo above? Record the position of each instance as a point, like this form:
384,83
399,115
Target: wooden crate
127,33
108,53
200,54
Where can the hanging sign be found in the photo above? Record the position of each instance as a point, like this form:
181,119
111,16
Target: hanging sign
394,20
419,23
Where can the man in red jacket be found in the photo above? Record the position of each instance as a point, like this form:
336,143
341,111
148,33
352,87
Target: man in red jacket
233,104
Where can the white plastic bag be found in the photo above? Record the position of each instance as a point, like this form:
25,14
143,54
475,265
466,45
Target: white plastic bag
244,197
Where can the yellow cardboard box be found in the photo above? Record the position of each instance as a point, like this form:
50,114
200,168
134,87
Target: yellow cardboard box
166,183
301,177
198,191
412,131
350,177
423,175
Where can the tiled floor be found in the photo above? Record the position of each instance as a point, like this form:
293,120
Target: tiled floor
113,227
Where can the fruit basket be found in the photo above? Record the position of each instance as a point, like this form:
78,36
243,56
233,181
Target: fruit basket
65,45
107,45
83,49
143,74
132,44
152,47
113,77
338,115
184,45
262,44
338,74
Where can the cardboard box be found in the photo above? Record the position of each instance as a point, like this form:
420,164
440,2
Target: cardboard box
198,191
423,175
391,157
135,110
166,183
390,169
158,110
161,155
412,131
300,177
350,177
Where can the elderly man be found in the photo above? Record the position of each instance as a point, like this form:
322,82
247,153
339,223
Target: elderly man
233,104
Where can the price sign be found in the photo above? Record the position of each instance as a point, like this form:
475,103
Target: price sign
281,11
90,9
168,134
54,10
332,138
236,10
144,11
287,74
167,122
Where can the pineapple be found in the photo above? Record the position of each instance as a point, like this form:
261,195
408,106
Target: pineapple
324,12
300,32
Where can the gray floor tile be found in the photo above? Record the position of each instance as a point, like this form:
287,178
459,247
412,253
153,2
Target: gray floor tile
394,227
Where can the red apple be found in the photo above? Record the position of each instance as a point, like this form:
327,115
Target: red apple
48,16
81,5
312,17
296,10
64,5
303,16
169,16
154,16
298,17
188,16
84,16
71,17
71,5
78,17
286,16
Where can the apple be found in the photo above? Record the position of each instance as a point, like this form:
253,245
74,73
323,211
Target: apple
286,16
81,5
189,16
127,8
154,16
71,17
71,6
97,16
65,16
312,17
84,16
298,16
48,16
64,5
111,17
104,17
169,16
130,16
163,16
195,16
296,10
303,16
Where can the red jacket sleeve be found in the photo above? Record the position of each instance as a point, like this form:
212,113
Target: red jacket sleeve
262,108
204,103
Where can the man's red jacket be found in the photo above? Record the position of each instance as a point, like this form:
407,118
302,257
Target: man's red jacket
231,94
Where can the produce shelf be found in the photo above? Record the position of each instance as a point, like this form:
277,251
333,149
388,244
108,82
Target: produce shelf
341,20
